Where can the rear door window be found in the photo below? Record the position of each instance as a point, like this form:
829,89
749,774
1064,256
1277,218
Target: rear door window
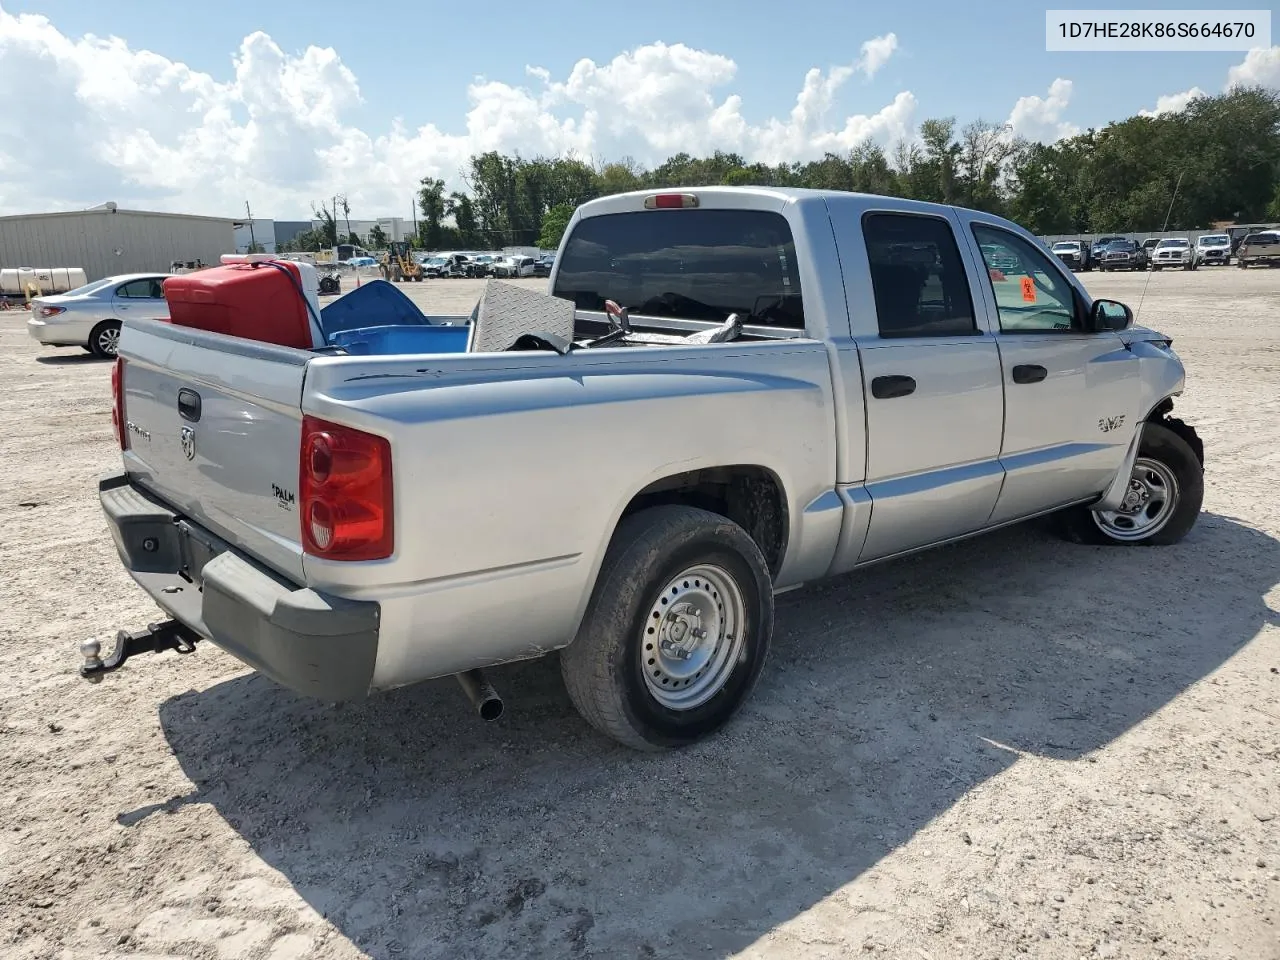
686,264
148,289
917,276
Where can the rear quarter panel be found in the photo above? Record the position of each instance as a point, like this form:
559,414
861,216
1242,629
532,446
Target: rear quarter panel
512,470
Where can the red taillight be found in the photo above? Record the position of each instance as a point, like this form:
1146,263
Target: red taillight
670,201
346,501
117,403
47,312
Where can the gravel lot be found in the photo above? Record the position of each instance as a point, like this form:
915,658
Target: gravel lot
1012,745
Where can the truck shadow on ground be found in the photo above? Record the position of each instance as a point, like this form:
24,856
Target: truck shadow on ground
73,360
421,832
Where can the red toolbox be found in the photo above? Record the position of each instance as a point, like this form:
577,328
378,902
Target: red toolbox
252,297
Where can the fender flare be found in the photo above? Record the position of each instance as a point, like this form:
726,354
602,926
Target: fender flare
1114,494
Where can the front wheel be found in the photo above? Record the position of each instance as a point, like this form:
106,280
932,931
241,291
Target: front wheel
1161,503
677,630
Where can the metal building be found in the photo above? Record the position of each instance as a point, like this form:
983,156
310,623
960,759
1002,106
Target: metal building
106,241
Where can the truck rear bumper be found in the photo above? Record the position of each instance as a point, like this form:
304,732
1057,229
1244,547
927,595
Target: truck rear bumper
315,644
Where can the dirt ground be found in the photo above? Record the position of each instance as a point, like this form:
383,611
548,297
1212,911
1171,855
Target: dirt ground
1012,745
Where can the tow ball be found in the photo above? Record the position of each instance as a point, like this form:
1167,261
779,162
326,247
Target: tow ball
158,637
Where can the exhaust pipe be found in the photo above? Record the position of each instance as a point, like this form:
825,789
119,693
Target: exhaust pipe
481,694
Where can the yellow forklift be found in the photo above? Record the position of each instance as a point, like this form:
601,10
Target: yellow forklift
397,263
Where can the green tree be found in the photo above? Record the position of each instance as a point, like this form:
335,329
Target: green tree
328,228
620,177
1219,159
464,218
431,205
553,226
377,238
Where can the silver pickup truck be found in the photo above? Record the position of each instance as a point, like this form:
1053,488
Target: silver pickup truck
799,383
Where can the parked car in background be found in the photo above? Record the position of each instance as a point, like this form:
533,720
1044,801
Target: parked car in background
1099,245
1122,255
1173,252
1149,247
1213,248
481,265
542,266
90,316
998,258
1073,253
448,265
513,267
1259,248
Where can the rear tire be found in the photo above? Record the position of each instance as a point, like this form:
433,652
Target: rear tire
637,670
104,341
1167,490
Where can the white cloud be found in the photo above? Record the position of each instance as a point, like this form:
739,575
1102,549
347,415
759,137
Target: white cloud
1040,118
876,53
1261,67
1173,102
144,130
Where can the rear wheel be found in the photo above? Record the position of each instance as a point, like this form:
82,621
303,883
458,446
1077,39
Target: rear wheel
677,630
104,341
1161,503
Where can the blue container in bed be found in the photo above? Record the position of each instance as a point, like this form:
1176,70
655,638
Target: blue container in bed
377,319
383,341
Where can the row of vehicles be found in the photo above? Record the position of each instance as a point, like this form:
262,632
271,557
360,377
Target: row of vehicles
1156,253
487,265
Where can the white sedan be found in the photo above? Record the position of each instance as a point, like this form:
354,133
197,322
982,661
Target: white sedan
90,316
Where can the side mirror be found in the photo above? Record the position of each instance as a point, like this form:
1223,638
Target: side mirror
1109,315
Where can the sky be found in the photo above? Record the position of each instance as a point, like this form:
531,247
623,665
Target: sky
197,108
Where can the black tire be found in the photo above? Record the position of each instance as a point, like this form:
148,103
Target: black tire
602,667
1160,444
104,339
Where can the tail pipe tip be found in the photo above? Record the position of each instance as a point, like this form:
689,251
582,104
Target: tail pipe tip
480,692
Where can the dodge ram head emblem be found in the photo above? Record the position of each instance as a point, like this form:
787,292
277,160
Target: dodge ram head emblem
189,442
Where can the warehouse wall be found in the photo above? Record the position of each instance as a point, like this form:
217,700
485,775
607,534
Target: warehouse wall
106,243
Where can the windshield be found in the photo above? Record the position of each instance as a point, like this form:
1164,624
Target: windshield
1066,245
1122,245
1173,243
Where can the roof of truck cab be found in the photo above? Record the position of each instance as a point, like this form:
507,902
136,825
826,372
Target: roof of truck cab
779,194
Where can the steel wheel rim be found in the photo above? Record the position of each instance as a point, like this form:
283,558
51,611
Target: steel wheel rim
1149,502
109,340
693,637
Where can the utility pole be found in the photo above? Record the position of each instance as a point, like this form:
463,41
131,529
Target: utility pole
249,213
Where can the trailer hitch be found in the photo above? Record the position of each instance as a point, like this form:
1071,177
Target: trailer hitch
158,637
